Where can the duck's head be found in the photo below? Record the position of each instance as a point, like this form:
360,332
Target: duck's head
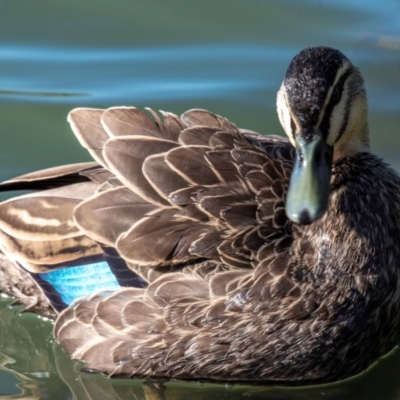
323,109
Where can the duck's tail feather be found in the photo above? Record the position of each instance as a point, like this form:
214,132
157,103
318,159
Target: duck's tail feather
51,178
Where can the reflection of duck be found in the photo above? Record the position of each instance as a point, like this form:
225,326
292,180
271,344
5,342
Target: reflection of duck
25,356
190,213
32,367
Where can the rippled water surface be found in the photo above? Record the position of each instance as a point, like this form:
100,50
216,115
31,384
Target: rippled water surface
225,56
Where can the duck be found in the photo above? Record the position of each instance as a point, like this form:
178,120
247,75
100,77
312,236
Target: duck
192,249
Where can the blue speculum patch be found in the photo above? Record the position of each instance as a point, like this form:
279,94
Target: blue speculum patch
72,283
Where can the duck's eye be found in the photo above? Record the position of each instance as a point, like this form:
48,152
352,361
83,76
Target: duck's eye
336,95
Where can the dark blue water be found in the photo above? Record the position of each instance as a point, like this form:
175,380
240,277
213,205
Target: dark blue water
225,56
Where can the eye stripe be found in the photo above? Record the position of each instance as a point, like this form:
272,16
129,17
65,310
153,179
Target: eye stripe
325,123
292,126
345,119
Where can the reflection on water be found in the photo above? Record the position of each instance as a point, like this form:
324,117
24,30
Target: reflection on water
38,94
27,355
34,367
174,56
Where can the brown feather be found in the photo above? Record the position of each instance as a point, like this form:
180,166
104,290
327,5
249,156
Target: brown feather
196,136
125,156
190,163
152,241
94,215
86,124
163,179
129,121
207,119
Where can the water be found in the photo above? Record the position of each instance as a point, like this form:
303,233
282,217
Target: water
228,57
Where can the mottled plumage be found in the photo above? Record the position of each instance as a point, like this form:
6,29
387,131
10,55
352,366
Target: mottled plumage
215,280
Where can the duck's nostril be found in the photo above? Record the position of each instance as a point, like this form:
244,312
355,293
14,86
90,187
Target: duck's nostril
305,217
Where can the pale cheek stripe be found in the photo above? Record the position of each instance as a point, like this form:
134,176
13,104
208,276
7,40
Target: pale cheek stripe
284,115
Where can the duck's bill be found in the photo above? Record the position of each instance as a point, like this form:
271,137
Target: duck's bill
309,187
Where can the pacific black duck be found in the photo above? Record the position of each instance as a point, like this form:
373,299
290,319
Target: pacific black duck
192,249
